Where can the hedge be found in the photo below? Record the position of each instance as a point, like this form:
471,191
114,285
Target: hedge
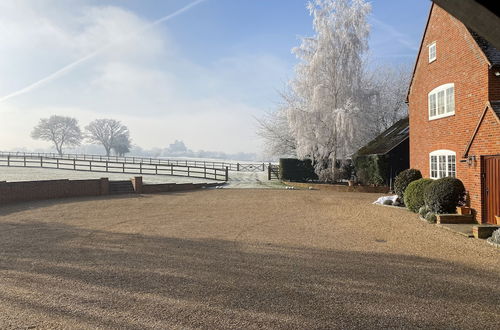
292,169
414,194
371,169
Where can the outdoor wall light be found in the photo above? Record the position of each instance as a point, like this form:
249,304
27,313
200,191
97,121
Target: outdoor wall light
497,73
471,159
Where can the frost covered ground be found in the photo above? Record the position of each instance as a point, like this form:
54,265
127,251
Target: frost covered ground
236,179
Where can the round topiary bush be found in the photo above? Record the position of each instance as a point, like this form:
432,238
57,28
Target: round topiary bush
444,195
414,194
403,179
387,202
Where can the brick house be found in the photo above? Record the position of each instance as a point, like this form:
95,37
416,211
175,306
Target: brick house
454,111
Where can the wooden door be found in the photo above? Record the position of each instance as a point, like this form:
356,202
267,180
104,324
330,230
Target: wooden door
491,188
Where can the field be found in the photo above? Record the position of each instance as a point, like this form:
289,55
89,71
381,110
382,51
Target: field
236,179
239,259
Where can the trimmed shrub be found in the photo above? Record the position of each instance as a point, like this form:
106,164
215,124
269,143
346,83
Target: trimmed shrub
387,202
403,179
431,217
495,238
414,194
444,195
292,169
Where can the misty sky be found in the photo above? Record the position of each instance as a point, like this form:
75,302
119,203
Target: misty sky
200,77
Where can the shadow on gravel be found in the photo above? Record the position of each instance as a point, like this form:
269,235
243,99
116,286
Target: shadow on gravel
119,280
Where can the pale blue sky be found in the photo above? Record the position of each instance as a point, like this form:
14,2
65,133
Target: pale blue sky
200,77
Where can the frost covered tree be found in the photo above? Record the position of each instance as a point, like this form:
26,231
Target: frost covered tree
327,115
274,129
122,144
106,132
61,131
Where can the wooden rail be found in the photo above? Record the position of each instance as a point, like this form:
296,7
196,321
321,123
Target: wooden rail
111,166
231,166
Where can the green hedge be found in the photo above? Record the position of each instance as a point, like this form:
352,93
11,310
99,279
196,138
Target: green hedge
292,169
403,179
444,195
371,169
414,194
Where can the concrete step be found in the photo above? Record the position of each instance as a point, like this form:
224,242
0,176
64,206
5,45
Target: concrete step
484,231
121,187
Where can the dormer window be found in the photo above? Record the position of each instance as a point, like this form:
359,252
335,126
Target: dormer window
442,101
432,52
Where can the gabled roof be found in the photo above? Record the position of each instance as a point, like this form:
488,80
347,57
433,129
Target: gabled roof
387,140
495,107
491,54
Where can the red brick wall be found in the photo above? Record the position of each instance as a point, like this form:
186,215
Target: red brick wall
459,61
38,190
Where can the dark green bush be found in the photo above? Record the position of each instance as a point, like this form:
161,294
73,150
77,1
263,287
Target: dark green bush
387,202
414,194
444,195
292,169
403,179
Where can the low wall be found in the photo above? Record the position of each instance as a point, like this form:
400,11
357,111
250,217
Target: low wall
24,191
49,189
338,187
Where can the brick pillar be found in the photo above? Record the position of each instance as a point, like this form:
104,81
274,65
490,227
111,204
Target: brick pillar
104,186
137,183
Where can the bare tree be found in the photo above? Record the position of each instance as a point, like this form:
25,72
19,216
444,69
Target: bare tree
106,132
122,144
61,131
273,128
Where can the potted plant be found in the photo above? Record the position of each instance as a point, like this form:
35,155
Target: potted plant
497,217
463,210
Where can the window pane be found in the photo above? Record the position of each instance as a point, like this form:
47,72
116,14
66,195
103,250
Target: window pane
451,166
442,166
432,52
450,100
432,105
433,166
440,102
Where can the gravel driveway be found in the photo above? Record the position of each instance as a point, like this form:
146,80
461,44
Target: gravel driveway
239,258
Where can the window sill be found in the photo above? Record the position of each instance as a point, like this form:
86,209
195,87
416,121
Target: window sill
442,116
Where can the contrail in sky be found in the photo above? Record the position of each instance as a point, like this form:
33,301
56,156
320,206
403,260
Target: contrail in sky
70,66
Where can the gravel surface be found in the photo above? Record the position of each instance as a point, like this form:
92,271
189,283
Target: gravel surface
240,259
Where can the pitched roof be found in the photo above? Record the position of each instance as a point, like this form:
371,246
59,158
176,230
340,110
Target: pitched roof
488,49
388,139
495,105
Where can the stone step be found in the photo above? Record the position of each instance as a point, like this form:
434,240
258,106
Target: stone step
484,231
455,218
121,187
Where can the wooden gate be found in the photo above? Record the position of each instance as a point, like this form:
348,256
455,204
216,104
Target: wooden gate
491,188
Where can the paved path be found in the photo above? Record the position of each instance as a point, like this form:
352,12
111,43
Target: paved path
240,259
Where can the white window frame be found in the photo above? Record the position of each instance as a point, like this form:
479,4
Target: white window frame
445,164
432,46
448,105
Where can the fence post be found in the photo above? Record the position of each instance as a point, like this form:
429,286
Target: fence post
140,167
237,167
24,160
90,165
8,160
156,168
269,172
106,166
171,169
188,172
57,162
227,173
123,166
263,167
74,164
41,161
